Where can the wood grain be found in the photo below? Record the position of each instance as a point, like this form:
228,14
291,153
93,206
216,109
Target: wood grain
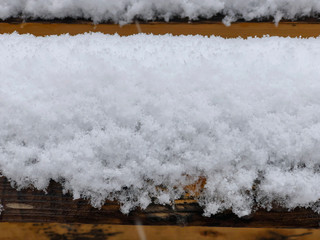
58,231
206,28
36,206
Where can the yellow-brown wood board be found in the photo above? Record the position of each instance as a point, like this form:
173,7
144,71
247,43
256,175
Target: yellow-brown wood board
55,231
206,28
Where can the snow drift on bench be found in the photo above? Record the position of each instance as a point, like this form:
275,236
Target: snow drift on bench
114,117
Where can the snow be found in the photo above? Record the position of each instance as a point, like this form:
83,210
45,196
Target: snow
113,117
124,11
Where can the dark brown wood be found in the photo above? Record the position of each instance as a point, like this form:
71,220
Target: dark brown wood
36,206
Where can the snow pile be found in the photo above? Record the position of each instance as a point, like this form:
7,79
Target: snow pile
114,117
124,11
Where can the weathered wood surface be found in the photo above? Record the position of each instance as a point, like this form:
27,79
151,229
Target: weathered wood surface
56,231
35,206
303,28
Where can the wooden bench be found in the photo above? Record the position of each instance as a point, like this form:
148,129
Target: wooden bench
31,214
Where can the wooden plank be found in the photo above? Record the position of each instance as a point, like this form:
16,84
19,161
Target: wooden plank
35,206
54,231
205,28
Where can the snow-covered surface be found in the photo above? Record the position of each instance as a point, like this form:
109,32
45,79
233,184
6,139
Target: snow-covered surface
114,117
124,11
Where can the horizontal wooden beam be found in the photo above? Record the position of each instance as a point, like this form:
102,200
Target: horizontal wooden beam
303,29
58,231
36,206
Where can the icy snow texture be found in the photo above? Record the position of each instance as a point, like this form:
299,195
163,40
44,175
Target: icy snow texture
114,117
124,11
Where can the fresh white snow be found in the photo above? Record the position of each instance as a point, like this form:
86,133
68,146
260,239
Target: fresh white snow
124,11
115,117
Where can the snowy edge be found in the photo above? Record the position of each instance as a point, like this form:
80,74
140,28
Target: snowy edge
125,11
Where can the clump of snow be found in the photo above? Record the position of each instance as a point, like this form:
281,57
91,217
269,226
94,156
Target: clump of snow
124,11
114,117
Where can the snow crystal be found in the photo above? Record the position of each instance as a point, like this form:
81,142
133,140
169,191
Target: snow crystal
124,11
114,118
